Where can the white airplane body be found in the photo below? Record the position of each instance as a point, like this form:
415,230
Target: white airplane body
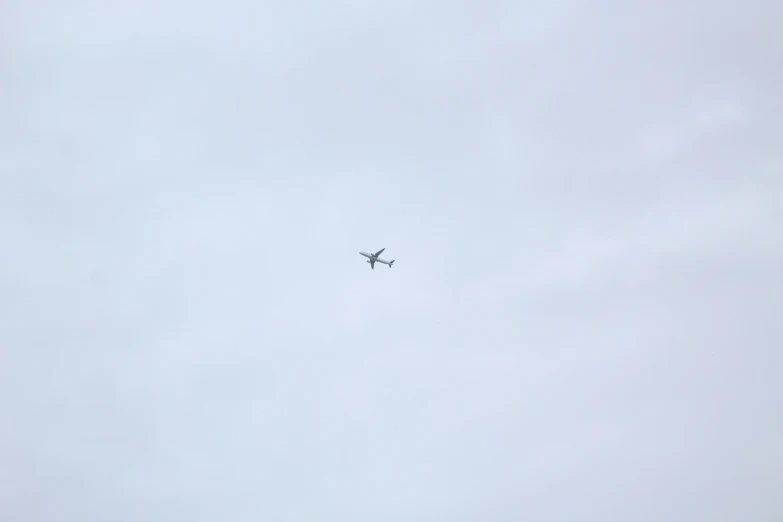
373,258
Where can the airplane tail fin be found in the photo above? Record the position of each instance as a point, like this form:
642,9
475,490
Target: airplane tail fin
391,263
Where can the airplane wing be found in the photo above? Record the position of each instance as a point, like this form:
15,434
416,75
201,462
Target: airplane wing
379,252
372,264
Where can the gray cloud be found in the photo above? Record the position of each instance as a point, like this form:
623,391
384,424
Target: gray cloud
584,204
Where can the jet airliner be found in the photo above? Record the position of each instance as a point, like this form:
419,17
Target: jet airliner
372,258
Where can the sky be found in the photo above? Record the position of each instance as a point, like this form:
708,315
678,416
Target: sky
584,201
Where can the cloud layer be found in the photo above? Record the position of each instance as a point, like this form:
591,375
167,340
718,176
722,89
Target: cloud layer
584,202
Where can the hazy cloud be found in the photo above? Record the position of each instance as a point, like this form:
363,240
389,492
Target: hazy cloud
584,201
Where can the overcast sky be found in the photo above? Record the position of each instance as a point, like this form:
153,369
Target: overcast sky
585,205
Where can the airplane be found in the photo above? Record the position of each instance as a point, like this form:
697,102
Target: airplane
372,258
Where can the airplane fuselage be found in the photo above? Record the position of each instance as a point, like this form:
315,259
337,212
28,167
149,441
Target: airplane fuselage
372,257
